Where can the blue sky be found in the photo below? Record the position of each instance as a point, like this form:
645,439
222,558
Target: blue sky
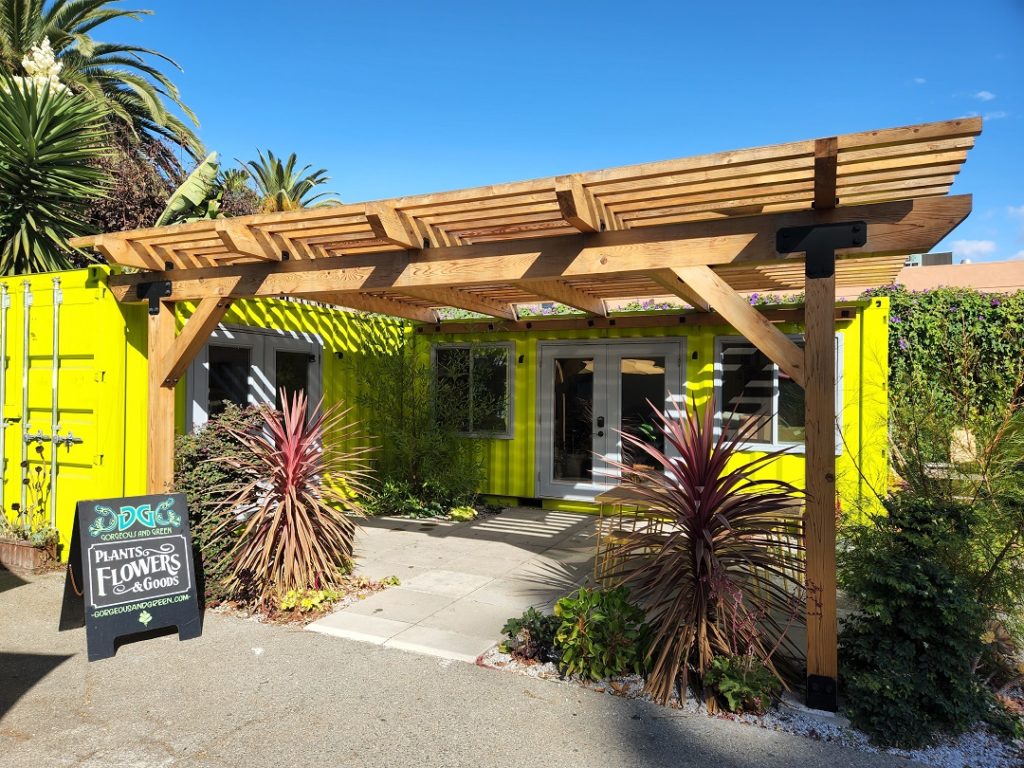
401,97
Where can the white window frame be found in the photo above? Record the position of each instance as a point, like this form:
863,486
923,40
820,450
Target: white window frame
672,347
263,345
510,352
775,445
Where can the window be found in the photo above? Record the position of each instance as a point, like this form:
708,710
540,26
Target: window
749,385
229,377
472,388
250,366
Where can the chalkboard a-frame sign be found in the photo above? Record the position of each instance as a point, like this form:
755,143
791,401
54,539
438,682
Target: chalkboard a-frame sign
130,570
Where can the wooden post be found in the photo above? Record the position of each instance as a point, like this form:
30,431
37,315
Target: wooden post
160,438
820,520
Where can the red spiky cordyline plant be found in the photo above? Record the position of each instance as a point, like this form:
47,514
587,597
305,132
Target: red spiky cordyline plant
712,541
294,518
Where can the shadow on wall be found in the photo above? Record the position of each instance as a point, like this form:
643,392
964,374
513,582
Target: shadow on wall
339,330
19,672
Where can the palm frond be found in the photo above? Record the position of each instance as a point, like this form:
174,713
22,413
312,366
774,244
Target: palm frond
115,68
281,187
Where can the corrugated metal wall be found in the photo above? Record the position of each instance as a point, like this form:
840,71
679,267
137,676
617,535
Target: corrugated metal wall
861,466
102,380
100,395
102,383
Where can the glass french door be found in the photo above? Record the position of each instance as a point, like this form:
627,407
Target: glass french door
592,392
249,367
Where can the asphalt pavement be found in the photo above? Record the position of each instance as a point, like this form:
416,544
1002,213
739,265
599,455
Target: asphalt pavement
249,695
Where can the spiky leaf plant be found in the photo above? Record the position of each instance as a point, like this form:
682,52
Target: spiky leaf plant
282,187
125,80
715,555
48,140
293,519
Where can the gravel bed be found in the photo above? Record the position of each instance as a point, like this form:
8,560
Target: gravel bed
980,748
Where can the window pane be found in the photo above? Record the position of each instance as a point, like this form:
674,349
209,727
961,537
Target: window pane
451,398
489,379
574,418
292,373
747,384
642,383
791,408
229,377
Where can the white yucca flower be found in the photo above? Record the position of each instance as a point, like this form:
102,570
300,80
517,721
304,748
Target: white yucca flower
42,67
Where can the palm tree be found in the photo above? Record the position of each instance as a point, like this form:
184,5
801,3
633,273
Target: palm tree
282,188
124,77
49,142
238,198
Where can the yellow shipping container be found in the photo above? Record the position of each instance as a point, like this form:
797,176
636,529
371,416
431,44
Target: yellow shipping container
95,403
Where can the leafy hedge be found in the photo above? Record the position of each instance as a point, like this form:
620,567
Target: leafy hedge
907,653
956,341
203,472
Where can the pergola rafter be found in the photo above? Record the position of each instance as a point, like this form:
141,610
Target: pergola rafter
809,215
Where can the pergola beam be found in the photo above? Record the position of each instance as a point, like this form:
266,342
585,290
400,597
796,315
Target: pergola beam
197,329
239,239
675,285
577,206
452,297
738,312
118,251
392,225
826,156
563,293
376,304
894,228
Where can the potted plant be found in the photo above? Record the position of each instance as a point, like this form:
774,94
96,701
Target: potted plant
30,544
28,547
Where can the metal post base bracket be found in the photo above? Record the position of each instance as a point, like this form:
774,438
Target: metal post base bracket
153,292
821,693
820,242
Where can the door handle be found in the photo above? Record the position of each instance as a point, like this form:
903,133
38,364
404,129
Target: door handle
600,433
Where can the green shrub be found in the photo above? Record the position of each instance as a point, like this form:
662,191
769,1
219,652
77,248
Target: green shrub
531,636
397,498
907,653
208,480
423,466
309,600
956,427
602,634
743,682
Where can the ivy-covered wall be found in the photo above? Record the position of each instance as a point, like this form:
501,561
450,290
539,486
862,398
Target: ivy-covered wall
966,346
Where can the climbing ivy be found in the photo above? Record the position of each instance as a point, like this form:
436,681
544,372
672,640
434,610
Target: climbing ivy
961,345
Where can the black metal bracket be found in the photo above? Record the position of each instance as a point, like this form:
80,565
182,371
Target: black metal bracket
820,242
153,292
822,694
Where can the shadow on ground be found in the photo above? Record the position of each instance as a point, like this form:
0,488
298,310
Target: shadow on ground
19,672
9,580
529,527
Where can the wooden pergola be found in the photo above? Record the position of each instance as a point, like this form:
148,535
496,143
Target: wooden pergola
810,215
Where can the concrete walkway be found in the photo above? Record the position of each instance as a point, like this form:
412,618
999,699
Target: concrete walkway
460,582
262,696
